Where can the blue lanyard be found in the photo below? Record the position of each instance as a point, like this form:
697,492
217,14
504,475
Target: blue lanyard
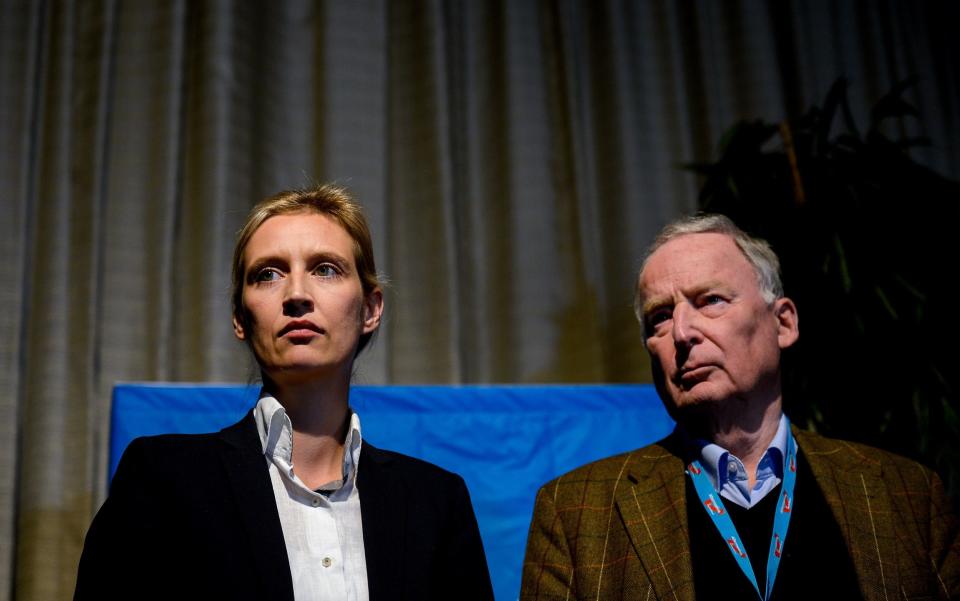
721,519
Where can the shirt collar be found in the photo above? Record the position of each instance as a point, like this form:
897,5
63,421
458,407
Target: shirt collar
715,460
276,436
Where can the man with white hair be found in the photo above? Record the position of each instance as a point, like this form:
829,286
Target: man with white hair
736,503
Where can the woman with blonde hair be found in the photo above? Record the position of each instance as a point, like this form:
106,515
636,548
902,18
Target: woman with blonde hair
290,502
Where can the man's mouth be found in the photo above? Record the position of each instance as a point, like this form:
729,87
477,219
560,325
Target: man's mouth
688,376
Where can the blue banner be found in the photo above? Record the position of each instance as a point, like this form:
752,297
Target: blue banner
506,441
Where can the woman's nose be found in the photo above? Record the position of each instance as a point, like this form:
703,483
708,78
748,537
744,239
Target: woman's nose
296,299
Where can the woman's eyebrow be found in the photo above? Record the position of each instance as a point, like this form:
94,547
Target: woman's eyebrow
324,255
267,261
328,255
312,259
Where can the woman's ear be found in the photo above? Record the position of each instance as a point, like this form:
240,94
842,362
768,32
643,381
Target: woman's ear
238,328
372,310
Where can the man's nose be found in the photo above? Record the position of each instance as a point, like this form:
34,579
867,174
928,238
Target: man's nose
296,299
686,331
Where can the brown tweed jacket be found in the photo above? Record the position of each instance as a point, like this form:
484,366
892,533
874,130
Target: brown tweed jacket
617,528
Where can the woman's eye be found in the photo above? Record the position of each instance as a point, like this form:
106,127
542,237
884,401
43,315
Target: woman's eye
326,270
267,275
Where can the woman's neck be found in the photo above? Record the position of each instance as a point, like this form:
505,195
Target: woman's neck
320,415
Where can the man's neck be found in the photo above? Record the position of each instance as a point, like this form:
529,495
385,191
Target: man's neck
747,435
749,447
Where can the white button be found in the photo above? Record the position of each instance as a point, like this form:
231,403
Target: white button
316,501
327,562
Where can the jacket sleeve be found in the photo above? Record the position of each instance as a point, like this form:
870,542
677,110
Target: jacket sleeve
466,574
944,540
548,565
117,552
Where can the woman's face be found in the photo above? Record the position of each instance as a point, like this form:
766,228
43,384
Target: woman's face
305,308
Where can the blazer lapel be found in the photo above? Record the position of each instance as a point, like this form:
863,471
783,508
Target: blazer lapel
860,502
383,513
246,469
654,513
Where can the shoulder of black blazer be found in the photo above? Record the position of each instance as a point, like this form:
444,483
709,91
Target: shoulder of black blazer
225,473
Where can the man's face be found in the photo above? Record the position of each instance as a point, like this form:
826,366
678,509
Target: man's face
712,337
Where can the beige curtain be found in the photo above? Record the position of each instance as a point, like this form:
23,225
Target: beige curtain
515,158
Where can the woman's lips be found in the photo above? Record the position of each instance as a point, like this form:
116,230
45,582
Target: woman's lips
300,329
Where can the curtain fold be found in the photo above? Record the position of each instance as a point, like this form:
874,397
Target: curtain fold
515,158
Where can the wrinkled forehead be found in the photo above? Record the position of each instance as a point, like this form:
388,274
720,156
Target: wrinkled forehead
694,258
694,248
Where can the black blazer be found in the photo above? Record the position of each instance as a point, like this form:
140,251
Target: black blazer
194,517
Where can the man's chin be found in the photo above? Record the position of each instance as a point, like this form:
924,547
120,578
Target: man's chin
695,401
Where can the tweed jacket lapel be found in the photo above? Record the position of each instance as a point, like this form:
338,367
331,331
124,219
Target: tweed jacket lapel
654,514
246,468
891,513
851,482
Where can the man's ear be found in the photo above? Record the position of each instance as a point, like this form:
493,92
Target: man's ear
238,328
372,310
788,322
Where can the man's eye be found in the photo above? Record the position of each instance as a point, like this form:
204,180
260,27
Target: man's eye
712,300
658,317
267,275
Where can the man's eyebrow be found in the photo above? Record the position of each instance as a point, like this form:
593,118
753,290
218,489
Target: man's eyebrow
658,302
655,303
708,286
